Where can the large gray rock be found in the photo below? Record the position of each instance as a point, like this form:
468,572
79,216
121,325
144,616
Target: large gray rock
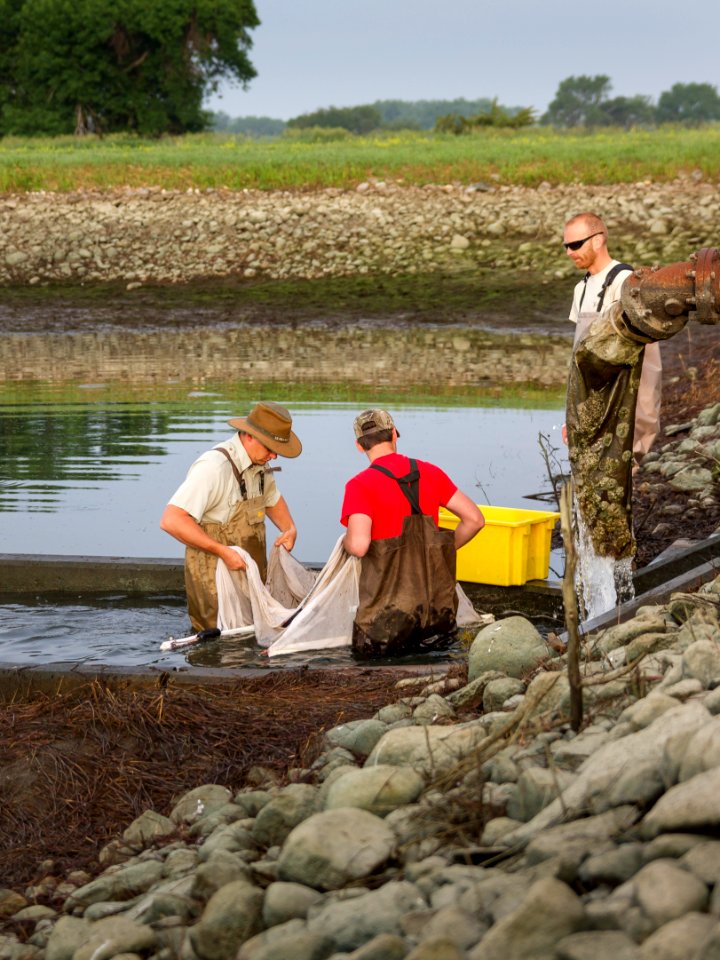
692,805
219,868
113,936
622,771
147,828
429,749
233,914
334,847
664,891
378,789
232,838
123,884
357,736
287,901
598,945
200,802
354,921
291,806
549,912
290,940
679,938
536,788
68,934
512,646
497,692
612,867
702,751
701,661
704,861
456,924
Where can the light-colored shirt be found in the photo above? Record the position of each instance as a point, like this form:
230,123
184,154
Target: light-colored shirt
210,492
592,291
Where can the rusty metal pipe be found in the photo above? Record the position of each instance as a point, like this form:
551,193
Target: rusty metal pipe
657,302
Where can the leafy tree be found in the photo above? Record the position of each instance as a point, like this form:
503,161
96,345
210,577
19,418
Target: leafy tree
496,116
629,112
361,119
423,114
689,103
127,65
579,102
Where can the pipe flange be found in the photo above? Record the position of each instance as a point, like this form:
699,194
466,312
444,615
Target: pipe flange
707,291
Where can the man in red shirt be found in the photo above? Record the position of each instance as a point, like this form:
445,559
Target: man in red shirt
408,593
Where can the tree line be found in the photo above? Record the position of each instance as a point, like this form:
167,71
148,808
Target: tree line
586,102
582,101
147,67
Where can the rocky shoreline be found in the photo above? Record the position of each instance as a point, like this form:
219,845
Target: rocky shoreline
465,820
138,236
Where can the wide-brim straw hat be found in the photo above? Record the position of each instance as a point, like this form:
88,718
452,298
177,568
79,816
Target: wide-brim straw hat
271,424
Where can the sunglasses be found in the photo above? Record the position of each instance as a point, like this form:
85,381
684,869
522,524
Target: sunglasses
576,244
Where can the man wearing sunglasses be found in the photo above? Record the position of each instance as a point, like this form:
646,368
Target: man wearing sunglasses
585,242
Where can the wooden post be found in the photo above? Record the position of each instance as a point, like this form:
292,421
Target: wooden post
571,608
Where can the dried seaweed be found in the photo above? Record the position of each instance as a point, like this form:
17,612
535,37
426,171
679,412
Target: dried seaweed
77,766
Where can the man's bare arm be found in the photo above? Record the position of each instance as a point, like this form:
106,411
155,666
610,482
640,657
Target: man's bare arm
357,539
470,516
185,528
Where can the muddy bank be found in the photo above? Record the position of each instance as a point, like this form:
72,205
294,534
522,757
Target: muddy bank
154,235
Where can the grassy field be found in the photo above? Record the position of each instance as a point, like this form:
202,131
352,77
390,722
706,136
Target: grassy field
526,157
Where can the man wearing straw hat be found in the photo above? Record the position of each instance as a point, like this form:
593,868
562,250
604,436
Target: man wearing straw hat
223,503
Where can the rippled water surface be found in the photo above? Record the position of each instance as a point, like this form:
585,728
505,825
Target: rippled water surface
87,466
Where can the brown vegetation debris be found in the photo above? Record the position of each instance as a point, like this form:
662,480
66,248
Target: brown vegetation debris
77,766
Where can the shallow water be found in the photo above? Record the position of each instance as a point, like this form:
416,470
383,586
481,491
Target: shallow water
88,462
94,478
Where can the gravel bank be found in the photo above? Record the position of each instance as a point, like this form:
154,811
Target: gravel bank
156,235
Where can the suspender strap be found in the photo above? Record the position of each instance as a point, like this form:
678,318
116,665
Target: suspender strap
409,484
239,476
618,268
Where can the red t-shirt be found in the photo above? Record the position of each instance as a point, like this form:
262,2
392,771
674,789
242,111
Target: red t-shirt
382,499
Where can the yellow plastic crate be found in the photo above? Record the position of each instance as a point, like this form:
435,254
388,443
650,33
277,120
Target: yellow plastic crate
512,548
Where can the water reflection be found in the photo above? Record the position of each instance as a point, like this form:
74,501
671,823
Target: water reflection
93,478
90,455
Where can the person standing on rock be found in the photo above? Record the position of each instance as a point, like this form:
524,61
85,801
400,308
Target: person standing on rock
408,591
223,503
585,240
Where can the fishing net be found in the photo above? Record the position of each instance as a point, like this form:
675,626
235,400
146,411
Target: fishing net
288,620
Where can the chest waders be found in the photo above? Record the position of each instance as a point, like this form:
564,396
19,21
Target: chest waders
408,591
245,528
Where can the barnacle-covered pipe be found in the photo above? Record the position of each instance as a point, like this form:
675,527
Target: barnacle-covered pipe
656,303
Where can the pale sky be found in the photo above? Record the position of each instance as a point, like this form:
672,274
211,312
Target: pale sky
319,53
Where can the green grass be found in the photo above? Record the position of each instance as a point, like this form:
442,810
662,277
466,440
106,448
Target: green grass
215,161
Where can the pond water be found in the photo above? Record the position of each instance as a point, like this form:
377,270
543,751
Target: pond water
88,464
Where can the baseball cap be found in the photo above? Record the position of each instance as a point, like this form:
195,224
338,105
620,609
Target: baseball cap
371,421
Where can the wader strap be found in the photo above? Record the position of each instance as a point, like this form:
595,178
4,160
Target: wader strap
618,268
409,484
239,476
